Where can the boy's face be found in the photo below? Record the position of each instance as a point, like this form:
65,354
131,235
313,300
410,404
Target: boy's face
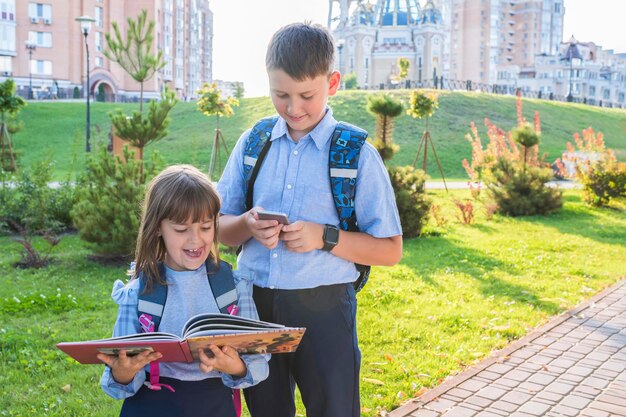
301,103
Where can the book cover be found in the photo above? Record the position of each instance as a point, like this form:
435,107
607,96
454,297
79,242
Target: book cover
247,336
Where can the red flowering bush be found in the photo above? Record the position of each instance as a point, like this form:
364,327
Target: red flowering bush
510,167
595,167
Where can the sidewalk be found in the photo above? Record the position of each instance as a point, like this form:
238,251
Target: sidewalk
575,365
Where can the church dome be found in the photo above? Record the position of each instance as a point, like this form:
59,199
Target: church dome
397,12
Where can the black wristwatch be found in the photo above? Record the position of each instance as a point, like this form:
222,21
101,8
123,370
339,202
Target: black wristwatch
330,237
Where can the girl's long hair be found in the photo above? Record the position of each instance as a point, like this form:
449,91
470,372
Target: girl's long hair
179,193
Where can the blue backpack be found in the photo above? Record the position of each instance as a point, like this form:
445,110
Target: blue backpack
150,305
150,308
343,161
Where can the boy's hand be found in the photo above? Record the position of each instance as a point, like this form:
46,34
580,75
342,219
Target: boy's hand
302,236
225,360
264,231
125,367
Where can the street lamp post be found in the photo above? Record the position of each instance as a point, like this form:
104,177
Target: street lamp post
85,25
340,45
30,46
571,54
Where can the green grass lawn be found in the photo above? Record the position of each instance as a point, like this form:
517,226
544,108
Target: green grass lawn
56,131
459,292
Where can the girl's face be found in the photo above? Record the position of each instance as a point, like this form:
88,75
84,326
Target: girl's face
187,245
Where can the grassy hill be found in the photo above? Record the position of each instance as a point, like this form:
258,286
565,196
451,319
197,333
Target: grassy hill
56,131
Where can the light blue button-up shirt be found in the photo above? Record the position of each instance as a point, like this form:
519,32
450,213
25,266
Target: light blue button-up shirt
294,179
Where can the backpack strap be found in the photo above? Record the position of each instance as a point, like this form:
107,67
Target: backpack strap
343,162
150,305
222,285
257,146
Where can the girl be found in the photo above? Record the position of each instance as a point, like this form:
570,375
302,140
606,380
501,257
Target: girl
178,234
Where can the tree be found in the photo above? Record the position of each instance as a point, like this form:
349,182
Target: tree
10,106
210,103
423,105
134,52
239,90
138,130
403,66
350,82
385,107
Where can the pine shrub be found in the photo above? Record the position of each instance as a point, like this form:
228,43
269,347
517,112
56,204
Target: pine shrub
413,204
107,210
522,192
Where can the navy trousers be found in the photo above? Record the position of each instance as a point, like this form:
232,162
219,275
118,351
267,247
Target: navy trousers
206,398
326,365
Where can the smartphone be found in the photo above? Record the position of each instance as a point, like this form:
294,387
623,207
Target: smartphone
273,215
130,351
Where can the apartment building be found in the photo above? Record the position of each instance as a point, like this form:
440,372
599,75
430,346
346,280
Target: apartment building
41,44
458,39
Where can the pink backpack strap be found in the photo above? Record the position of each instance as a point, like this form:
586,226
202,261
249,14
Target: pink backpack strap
147,325
232,310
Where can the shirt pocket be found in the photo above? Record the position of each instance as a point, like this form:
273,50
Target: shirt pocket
317,204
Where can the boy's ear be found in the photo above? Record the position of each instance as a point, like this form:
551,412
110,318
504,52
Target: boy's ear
334,81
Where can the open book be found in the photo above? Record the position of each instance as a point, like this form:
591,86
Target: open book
247,336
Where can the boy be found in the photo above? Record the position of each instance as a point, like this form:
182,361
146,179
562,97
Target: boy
304,271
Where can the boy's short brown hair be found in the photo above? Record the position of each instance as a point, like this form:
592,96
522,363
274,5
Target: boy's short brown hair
302,50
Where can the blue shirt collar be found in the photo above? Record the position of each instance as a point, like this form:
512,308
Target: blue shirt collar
320,134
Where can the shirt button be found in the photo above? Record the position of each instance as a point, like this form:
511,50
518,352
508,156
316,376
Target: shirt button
274,255
295,152
289,186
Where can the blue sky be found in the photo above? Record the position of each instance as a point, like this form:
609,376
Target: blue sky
242,29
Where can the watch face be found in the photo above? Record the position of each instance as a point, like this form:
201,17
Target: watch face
332,235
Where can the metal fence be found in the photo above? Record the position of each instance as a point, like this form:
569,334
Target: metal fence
441,83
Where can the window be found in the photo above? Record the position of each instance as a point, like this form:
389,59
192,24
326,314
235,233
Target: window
592,91
7,38
5,65
99,61
557,7
98,13
41,67
98,41
40,11
41,39
7,10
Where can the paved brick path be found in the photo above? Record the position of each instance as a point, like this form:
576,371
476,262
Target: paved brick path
574,365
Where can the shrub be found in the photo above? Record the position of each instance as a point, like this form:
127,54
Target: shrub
466,211
519,192
413,205
32,204
511,169
109,195
30,256
595,167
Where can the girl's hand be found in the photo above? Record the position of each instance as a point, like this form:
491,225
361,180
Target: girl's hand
225,360
265,231
125,367
302,236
